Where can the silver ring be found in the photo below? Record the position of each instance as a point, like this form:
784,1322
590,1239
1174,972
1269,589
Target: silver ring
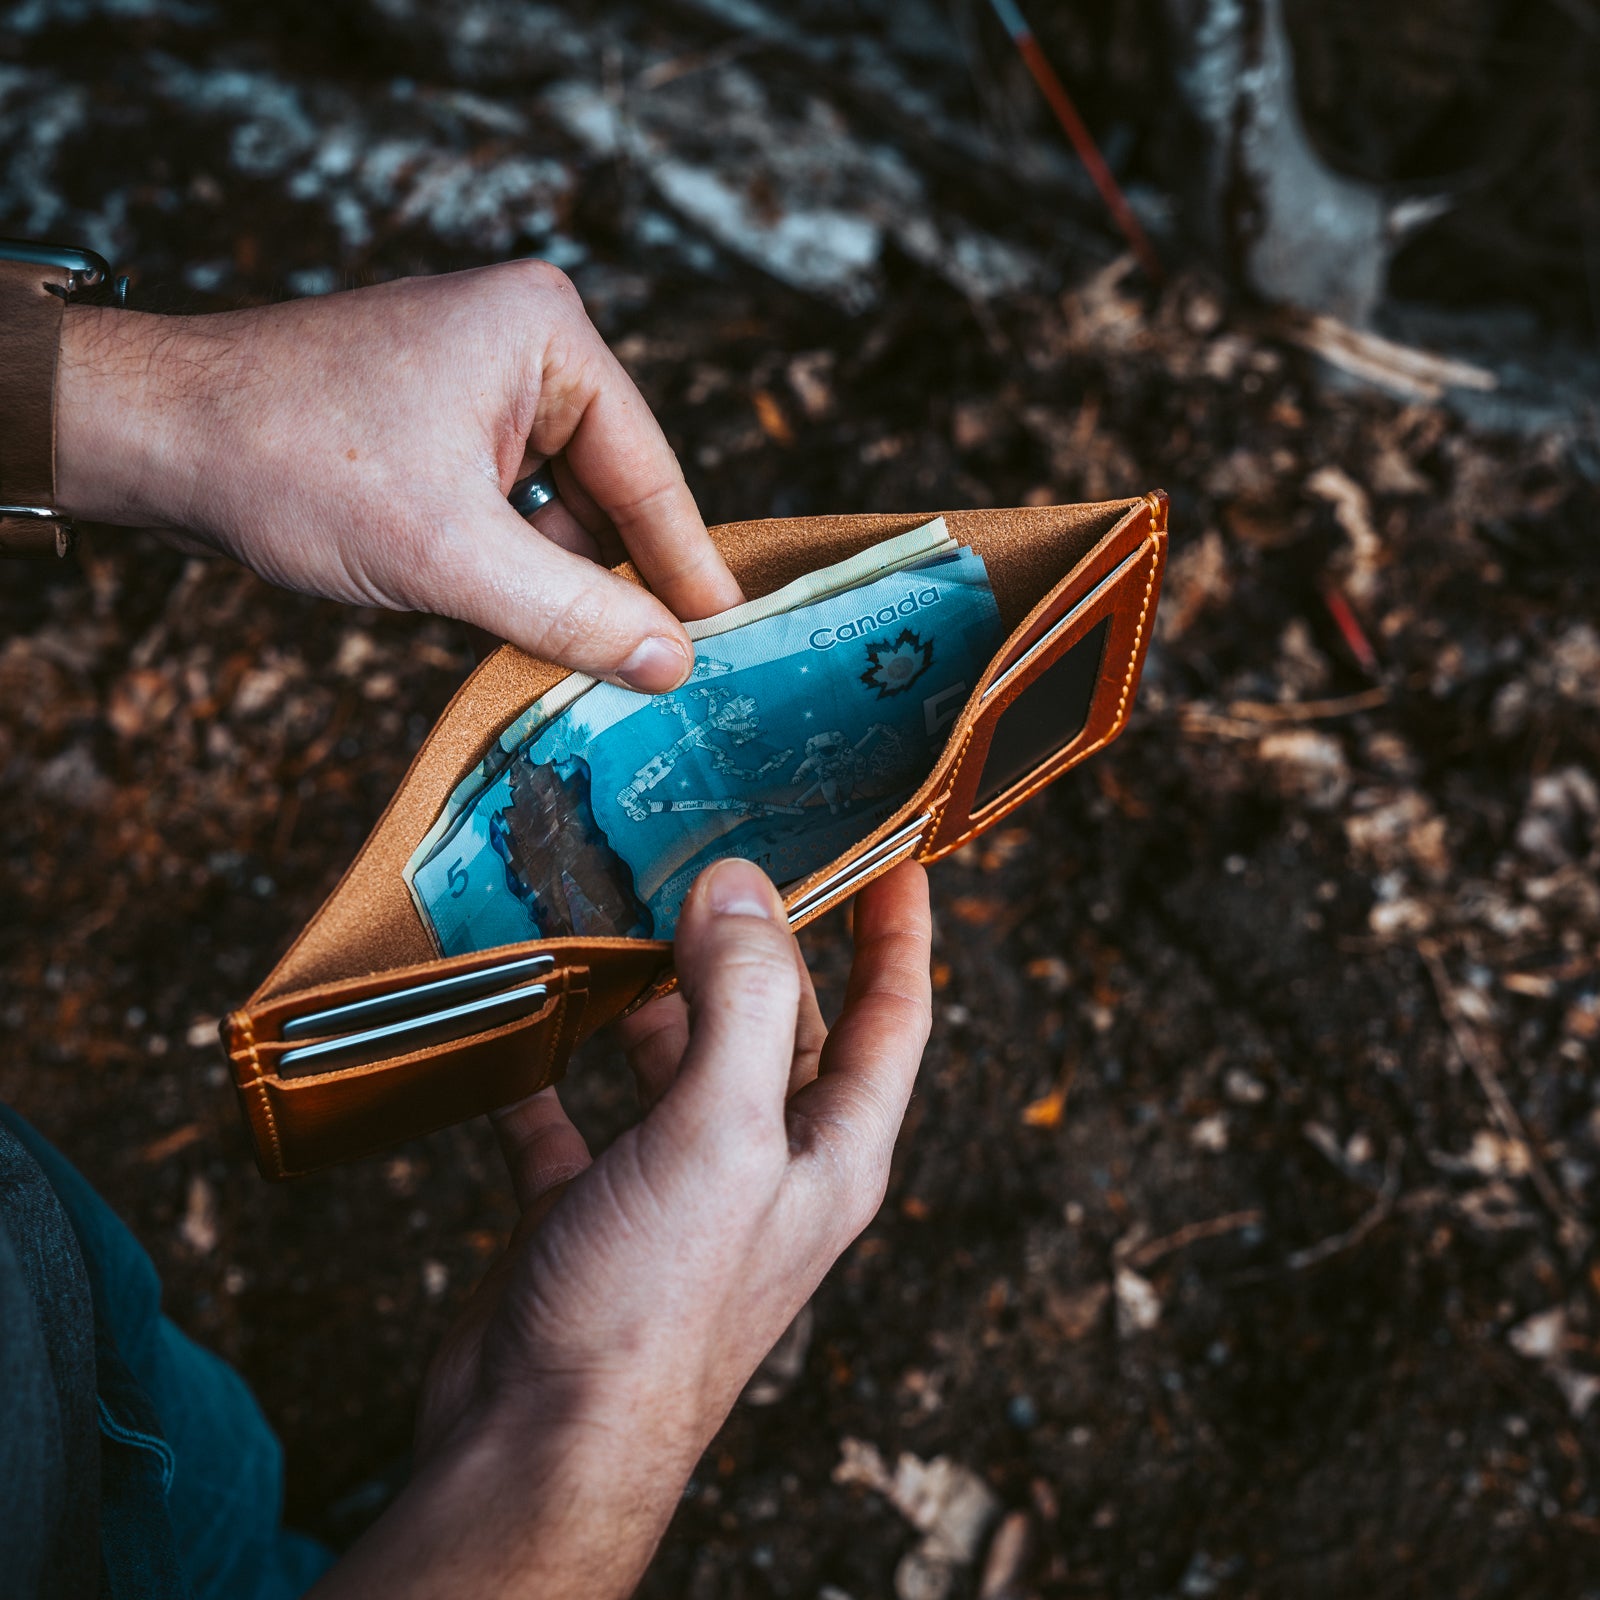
534,492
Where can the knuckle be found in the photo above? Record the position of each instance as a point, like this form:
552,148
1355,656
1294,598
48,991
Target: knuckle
736,1138
911,1016
861,1183
690,556
753,973
865,1199
542,277
591,623
560,630
851,1169
654,501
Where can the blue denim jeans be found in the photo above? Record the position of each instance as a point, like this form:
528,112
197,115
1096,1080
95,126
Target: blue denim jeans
190,1490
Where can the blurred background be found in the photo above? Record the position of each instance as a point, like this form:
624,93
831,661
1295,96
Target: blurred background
1240,1239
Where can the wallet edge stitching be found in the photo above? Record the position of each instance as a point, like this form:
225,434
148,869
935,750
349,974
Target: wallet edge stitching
259,1083
1153,541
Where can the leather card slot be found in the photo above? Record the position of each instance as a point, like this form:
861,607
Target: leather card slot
867,868
412,1000
309,1121
904,838
371,1050
1072,664
405,1035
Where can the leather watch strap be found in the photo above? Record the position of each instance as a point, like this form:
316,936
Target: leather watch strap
32,301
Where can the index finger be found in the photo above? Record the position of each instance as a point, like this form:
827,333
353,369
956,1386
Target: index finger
870,1061
542,1149
591,411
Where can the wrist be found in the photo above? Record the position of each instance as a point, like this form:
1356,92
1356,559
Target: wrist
132,390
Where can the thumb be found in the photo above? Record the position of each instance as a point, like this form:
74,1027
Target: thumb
736,961
503,575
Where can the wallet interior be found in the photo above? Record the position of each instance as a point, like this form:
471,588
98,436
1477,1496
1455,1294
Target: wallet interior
369,923
1076,588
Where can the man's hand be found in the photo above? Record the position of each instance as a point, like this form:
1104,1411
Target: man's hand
361,446
640,1291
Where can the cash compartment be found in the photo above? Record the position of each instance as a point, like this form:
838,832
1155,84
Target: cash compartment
368,925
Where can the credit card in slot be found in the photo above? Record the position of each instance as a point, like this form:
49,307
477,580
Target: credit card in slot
900,839
415,999
415,1033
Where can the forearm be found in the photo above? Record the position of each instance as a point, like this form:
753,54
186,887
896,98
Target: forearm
132,393
522,1508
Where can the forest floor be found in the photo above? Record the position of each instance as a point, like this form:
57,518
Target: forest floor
1240,1238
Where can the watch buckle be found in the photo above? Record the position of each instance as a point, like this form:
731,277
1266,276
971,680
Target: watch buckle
40,518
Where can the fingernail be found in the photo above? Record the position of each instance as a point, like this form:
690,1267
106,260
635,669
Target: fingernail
735,888
658,664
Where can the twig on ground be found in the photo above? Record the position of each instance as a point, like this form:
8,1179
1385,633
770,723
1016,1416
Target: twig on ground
1369,1219
1387,1194
1246,719
1307,710
665,72
1472,1050
1066,113
1191,1233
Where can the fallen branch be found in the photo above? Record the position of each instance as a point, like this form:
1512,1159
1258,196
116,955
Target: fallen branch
1388,1193
1402,369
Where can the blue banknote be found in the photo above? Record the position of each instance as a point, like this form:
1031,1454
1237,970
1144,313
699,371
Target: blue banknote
793,738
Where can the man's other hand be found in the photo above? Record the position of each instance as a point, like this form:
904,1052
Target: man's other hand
361,445
640,1290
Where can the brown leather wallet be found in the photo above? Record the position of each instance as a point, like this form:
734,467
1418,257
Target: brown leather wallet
1076,588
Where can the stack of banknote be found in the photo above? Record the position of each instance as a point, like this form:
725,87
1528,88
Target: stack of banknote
811,716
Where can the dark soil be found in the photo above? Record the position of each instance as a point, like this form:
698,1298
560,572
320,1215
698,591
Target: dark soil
1248,1313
